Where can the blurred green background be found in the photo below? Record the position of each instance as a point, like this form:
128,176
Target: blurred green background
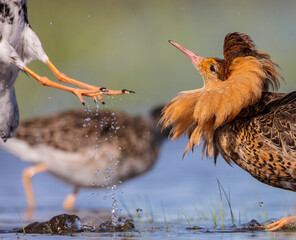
124,44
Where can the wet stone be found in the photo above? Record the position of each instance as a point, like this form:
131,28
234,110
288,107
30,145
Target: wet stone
122,225
61,224
66,224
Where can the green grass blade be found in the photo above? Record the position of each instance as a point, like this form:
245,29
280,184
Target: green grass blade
187,220
21,222
165,221
221,207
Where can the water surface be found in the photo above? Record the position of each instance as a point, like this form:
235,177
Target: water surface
173,190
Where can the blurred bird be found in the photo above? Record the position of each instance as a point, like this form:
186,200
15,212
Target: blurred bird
19,45
87,150
236,117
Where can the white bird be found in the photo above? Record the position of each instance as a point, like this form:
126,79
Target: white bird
19,45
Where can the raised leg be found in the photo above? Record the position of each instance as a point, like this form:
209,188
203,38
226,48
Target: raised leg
28,173
280,223
86,89
70,200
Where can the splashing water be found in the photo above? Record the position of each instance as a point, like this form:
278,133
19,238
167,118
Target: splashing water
111,188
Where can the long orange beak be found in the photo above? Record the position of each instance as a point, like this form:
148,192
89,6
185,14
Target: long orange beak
192,56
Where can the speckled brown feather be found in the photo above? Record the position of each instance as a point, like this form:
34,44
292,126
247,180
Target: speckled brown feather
263,144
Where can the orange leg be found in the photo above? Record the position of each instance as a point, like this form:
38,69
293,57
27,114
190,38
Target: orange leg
70,199
28,173
278,224
87,90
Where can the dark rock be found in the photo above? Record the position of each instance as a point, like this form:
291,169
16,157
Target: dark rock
123,225
252,225
61,224
65,224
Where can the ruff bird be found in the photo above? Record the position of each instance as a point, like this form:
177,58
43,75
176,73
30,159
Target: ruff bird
236,116
87,150
19,45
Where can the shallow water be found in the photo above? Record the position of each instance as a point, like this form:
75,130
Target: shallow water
173,191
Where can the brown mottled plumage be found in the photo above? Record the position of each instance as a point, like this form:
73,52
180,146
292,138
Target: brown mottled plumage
88,150
236,118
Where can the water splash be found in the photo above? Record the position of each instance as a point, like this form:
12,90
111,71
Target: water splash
107,174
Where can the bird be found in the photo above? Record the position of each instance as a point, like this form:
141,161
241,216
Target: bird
87,149
239,114
19,45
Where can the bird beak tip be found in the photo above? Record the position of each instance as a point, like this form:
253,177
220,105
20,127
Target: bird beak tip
192,56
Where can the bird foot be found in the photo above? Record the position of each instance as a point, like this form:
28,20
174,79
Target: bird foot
86,89
280,223
97,92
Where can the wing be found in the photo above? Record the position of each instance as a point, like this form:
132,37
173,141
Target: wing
278,122
69,131
265,144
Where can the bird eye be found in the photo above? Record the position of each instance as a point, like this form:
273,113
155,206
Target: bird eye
212,68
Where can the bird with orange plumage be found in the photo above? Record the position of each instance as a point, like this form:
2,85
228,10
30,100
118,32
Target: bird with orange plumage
236,116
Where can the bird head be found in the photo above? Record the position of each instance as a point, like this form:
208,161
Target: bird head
211,69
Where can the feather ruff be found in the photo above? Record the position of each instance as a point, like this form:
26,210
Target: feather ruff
200,112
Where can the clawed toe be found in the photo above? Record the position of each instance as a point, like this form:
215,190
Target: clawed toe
125,91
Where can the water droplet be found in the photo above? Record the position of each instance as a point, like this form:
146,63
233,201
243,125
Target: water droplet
87,119
50,23
139,210
84,125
